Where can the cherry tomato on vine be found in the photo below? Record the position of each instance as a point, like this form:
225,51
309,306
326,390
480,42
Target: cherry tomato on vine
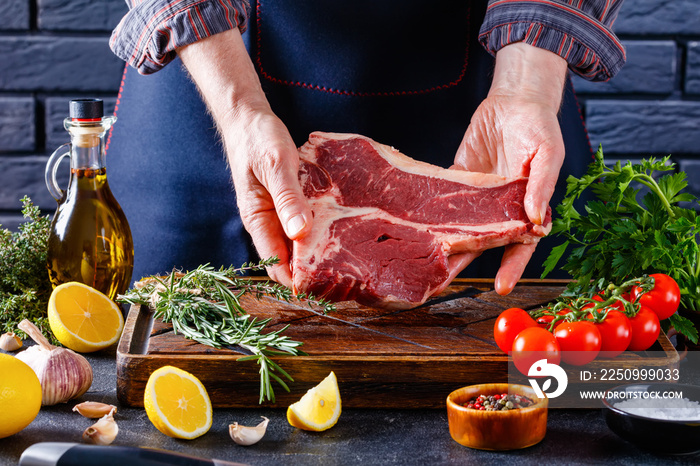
579,342
533,344
617,304
663,299
615,334
626,296
645,329
507,326
545,320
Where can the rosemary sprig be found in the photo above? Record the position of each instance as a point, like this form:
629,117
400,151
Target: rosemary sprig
204,305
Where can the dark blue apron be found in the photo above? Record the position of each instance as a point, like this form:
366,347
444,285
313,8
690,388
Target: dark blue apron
398,72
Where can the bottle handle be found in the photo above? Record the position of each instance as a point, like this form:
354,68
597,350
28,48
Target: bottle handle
52,168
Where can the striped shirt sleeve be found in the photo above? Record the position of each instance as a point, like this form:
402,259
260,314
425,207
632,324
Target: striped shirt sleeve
577,30
149,33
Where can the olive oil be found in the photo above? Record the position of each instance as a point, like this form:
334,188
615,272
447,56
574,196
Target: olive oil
90,239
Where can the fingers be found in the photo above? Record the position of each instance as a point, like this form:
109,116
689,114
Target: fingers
455,264
273,208
290,219
280,176
276,214
544,172
260,220
515,258
458,262
291,205
270,240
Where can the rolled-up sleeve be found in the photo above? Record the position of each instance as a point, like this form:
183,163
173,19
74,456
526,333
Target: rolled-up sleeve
149,33
580,31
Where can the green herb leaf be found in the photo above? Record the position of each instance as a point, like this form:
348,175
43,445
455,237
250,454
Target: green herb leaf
684,326
551,262
618,235
24,282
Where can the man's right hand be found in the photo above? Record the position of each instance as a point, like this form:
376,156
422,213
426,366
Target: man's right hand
262,155
264,166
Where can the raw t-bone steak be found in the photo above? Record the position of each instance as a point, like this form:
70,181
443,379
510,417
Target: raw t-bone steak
385,224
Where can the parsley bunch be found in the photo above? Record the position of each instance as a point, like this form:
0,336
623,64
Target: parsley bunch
620,236
24,281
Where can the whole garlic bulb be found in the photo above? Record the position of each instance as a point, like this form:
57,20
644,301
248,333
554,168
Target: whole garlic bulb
63,374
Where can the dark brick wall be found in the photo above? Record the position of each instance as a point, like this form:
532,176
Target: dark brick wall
54,50
652,107
15,15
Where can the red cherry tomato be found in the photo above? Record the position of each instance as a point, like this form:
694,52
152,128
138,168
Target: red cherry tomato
508,324
615,334
579,342
533,344
645,329
663,299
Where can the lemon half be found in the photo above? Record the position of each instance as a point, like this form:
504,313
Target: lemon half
177,403
84,319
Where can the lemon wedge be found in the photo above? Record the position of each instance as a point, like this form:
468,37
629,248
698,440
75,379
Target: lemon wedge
319,409
84,319
177,403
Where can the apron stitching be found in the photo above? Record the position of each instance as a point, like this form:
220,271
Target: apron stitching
116,105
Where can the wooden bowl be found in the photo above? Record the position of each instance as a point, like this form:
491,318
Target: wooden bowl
496,430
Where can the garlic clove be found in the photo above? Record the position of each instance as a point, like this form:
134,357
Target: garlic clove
103,432
94,409
243,435
10,342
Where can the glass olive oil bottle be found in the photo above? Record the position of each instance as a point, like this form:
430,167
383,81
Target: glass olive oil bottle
90,239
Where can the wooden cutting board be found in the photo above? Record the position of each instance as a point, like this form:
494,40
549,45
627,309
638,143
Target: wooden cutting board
390,359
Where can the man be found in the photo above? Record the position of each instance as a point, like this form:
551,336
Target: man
393,71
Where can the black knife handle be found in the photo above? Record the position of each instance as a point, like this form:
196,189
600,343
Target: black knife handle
66,454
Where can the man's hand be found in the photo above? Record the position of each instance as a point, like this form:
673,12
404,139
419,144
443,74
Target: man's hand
515,132
262,155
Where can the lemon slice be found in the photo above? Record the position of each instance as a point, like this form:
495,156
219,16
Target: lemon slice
20,395
84,319
177,403
319,409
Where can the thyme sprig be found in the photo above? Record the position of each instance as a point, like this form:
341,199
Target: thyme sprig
204,305
24,282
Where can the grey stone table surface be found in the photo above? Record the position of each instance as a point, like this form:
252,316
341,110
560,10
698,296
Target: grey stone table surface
362,436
